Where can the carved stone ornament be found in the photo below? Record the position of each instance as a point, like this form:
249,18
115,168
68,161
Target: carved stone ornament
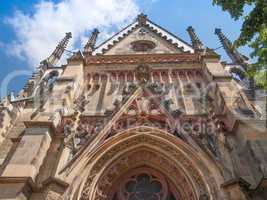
143,73
144,142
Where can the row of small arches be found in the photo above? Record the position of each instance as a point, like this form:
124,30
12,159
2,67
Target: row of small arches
156,75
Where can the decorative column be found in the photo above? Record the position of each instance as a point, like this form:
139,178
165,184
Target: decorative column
189,94
172,94
181,85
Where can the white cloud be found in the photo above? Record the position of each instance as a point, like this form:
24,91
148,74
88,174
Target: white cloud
39,33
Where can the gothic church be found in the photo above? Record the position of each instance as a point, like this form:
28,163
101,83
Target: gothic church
143,116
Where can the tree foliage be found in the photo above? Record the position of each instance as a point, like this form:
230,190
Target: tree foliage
253,33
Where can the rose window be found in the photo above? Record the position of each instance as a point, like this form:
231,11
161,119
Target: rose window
143,187
144,184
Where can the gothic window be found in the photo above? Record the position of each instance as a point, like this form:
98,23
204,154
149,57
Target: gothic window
145,185
143,45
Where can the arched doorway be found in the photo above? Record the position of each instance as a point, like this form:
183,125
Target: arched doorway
137,163
145,158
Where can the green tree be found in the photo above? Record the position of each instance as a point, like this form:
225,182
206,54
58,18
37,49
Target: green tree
253,33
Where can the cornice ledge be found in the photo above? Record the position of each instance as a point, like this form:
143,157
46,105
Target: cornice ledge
54,180
6,179
28,182
40,124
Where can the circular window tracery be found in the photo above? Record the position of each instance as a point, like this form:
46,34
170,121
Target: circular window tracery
143,45
144,184
142,187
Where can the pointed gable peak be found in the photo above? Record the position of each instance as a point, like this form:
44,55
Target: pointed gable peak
142,19
142,27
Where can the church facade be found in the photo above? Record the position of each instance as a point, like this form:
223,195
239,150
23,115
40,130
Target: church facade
142,116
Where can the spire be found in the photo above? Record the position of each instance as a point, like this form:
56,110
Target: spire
142,18
197,44
236,58
234,55
57,53
90,45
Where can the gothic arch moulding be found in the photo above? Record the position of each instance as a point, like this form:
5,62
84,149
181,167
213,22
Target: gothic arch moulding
154,154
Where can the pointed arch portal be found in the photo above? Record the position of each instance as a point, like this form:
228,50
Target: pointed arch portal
146,163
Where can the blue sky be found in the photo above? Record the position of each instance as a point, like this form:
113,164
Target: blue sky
30,29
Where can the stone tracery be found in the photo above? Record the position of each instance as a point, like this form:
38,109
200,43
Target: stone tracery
142,184
183,175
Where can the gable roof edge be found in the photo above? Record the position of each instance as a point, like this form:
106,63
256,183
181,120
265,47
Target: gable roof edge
130,27
170,37
171,34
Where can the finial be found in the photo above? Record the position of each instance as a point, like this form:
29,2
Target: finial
197,44
218,31
234,55
142,18
57,53
90,45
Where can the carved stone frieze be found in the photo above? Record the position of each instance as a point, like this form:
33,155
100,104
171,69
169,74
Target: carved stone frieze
152,58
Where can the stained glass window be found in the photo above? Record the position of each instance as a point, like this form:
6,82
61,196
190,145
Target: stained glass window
143,187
